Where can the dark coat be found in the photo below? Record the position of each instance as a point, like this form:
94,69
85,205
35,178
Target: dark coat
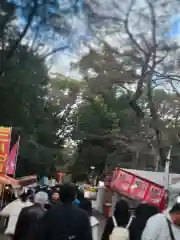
122,222
65,221
28,222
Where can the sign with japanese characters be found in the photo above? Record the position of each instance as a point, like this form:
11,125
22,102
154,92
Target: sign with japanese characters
5,139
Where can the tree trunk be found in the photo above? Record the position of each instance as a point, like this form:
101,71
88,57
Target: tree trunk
155,125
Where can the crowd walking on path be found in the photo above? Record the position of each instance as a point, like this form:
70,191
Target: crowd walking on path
66,215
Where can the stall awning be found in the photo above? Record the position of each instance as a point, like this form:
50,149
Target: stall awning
27,180
24,181
155,177
4,179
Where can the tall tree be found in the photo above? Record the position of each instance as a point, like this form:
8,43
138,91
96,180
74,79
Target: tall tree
26,105
148,53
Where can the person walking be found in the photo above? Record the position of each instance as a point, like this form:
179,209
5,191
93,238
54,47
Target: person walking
121,216
66,220
86,205
164,226
143,212
30,217
12,210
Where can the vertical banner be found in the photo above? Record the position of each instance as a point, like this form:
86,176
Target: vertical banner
60,177
5,139
12,159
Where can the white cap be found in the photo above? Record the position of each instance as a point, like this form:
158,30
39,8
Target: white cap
41,197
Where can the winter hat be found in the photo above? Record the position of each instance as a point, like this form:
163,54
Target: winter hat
41,197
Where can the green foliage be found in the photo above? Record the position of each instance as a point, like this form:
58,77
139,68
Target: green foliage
97,124
25,104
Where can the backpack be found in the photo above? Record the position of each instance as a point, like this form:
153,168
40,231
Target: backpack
120,233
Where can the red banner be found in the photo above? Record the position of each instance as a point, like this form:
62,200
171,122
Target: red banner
133,186
5,138
11,162
60,177
139,188
155,195
123,181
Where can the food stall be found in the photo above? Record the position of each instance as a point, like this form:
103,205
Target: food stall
141,186
9,185
4,179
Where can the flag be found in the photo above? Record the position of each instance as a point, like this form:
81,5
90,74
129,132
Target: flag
5,139
12,157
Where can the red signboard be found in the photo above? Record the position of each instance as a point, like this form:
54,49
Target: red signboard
139,188
155,195
123,181
60,177
133,186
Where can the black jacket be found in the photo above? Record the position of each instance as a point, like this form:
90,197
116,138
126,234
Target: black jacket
108,229
28,222
65,221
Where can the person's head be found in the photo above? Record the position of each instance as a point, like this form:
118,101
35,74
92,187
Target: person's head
175,213
121,212
145,211
41,198
55,196
67,193
86,205
24,197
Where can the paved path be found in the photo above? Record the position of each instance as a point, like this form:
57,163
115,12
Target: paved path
99,216
101,219
2,237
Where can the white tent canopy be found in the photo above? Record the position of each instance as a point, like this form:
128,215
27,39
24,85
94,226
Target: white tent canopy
175,187
156,177
160,178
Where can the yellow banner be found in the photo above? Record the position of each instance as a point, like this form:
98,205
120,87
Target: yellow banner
5,139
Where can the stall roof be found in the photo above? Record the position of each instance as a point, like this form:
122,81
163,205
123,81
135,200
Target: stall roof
156,177
27,180
4,179
176,186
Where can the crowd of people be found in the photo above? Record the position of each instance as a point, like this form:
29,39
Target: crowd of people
63,213
147,224
66,215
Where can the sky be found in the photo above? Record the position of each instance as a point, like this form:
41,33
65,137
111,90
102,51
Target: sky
80,32
62,65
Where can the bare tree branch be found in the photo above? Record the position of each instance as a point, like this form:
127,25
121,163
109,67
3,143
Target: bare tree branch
9,54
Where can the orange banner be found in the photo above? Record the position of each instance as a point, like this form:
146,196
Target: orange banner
5,139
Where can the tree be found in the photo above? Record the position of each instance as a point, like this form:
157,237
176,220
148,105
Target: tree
100,128
26,105
146,54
